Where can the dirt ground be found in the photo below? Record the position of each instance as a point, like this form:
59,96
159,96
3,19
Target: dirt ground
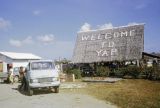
10,97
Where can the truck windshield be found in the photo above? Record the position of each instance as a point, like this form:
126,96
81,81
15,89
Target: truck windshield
41,65
16,69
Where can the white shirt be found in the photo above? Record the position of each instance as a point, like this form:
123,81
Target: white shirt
11,71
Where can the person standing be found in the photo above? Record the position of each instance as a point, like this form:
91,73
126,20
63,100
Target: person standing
22,78
21,73
11,75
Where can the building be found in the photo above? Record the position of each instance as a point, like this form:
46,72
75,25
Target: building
150,59
12,59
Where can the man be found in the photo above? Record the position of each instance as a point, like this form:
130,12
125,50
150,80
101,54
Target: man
22,78
21,73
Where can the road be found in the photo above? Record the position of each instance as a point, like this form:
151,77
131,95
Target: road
10,97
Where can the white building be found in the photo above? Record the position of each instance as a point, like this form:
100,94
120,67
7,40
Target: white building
8,59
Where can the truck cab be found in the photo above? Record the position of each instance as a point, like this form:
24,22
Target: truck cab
42,74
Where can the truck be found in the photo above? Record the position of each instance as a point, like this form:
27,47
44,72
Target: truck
41,74
3,77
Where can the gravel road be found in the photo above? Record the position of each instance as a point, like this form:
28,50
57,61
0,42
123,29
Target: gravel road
10,97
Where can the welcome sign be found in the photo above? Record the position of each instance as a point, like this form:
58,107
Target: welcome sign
120,43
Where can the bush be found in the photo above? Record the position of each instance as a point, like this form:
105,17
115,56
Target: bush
102,71
68,70
128,72
157,73
77,73
120,72
152,73
133,71
74,71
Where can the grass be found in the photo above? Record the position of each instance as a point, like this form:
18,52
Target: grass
128,93
132,93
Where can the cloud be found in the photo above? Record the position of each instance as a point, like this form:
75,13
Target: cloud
106,26
46,39
36,12
85,27
18,43
36,45
141,6
4,24
28,40
43,40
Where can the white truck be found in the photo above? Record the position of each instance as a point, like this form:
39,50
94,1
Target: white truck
3,77
42,74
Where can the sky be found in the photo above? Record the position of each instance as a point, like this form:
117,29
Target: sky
48,28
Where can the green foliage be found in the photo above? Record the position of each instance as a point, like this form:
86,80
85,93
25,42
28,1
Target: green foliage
74,71
68,70
132,71
152,73
120,72
103,71
77,73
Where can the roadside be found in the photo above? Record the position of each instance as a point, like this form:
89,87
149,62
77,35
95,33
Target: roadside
132,93
127,93
11,97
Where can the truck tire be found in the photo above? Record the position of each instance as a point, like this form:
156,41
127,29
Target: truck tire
30,92
56,89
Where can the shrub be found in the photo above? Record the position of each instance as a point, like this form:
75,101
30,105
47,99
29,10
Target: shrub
120,72
67,70
157,73
74,71
152,73
102,71
77,73
133,71
130,72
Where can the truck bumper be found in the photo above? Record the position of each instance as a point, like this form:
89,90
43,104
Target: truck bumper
44,85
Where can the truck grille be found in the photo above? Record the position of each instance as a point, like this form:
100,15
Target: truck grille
42,80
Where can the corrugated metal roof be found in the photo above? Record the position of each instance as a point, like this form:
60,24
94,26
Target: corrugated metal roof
14,55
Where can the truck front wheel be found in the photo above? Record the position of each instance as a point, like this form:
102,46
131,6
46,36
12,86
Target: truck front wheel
28,89
30,92
56,89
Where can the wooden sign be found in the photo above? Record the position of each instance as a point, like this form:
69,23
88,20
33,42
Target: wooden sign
120,43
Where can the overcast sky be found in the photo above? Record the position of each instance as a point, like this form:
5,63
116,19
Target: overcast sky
48,28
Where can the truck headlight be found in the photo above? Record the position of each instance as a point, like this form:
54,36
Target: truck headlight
55,79
34,80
